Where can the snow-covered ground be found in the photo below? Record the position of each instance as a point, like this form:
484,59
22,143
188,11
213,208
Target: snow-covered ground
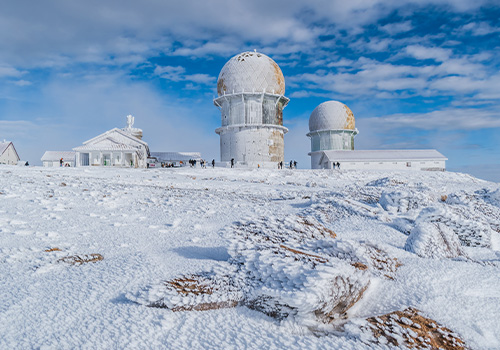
158,224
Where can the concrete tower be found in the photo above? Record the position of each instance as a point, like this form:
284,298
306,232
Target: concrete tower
251,99
331,127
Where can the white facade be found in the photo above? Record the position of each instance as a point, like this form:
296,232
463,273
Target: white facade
251,99
428,159
8,153
116,147
53,158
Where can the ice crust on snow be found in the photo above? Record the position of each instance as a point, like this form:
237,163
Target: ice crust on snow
163,225
286,268
434,240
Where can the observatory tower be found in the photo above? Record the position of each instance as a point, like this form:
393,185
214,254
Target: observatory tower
251,99
331,128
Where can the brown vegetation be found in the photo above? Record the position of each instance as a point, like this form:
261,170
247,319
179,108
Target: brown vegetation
81,259
411,329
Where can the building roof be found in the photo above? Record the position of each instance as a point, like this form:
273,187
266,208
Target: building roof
108,144
4,145
120,131
57,155
173,156
251,72
381,155
331,115
112,140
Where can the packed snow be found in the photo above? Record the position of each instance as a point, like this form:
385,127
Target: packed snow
96,257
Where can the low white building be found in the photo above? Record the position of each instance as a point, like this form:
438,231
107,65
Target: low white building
176,158
8,153
424,159
53,158
116,147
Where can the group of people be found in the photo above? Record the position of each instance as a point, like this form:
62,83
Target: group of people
337,165
203,163
61,162
293,164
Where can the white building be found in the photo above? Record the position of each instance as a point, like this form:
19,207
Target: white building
53,158
251,99
332,131
116,147
8,153
422,159
176,158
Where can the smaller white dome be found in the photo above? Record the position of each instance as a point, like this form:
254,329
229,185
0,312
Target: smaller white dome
331,115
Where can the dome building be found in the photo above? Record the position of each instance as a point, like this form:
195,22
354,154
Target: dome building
331,127
332,130
251,90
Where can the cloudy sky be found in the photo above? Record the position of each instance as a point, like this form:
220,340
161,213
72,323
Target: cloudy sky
416,73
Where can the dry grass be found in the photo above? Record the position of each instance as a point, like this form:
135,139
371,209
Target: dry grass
55,249
444,198
193,284
81,259
416,331
312,257
196,287
324,230
360,266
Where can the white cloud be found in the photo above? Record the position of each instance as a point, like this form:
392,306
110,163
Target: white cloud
446,119
170,72
478,28
422,53
176,73
22,82
397,28
8,71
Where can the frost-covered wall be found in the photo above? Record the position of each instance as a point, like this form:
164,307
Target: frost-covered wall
332,139
252,131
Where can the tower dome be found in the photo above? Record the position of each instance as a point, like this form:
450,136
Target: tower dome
251,72
331,115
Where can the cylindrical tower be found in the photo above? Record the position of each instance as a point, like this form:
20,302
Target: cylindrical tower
331,127
251,99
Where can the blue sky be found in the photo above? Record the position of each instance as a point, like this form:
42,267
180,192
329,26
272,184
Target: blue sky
416,74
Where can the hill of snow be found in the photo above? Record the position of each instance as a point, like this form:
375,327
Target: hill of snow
123,258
